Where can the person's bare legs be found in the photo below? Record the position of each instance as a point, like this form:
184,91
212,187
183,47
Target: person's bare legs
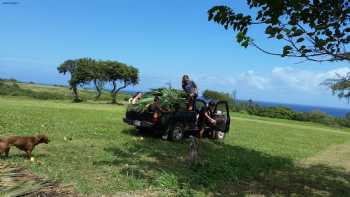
213,134
201,133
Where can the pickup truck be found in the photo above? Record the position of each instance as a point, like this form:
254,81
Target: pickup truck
180,123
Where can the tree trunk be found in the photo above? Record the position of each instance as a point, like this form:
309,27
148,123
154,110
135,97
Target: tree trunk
114,93
98,89
75,93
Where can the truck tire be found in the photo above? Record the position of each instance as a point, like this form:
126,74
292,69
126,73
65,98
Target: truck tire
177,132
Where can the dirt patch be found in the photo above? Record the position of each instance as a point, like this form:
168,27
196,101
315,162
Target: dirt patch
16,181
336,156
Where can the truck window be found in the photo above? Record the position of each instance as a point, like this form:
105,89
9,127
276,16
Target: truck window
221,109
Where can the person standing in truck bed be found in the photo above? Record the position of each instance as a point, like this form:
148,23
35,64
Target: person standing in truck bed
191,90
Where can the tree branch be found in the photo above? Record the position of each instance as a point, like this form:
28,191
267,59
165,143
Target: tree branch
279,54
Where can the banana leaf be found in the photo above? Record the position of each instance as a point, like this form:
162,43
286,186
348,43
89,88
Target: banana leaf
170,99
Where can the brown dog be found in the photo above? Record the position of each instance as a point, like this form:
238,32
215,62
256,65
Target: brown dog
4,147
27,143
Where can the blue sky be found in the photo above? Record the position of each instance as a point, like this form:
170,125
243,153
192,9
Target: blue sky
164,39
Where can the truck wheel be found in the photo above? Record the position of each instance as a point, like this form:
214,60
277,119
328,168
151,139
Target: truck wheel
177,132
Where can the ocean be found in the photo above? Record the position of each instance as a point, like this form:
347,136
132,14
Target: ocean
337,112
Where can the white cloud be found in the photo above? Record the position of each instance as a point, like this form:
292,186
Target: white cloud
280,84
253,80
303,80
279,80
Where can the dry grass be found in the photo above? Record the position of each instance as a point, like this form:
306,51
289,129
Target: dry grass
336,155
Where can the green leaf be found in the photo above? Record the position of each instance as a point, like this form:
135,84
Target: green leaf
279,36
286,50
300,39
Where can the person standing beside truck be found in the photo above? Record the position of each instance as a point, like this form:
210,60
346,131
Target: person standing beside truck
191,90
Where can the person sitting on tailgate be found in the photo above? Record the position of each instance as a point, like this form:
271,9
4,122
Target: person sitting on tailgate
134,99
191,90
205,118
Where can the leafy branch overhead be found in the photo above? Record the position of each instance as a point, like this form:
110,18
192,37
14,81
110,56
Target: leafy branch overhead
340,86
317,30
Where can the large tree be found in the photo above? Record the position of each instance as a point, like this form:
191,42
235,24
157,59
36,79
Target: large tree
100,77
69,66
317,30
121,73
81,72
86,70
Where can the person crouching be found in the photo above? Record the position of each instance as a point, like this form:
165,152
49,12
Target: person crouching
156,109
206,119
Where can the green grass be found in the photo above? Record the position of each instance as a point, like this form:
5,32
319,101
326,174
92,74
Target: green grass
105,156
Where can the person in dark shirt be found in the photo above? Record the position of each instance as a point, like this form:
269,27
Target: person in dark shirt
206,118
191,90
156,108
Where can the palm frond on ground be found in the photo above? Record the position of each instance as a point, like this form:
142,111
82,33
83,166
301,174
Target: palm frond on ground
16,181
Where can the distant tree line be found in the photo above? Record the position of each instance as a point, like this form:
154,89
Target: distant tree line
252,108
100,73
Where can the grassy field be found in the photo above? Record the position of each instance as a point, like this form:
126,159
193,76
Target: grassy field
92,149
54,92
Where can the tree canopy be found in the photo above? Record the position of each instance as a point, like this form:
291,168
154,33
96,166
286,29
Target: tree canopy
317,30
99,72
122,73
70,66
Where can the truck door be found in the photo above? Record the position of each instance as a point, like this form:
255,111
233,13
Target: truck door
222,113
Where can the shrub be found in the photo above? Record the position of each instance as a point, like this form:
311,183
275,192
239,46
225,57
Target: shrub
287,113
210,94
277,112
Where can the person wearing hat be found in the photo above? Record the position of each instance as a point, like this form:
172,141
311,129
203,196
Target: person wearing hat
206,118
191,90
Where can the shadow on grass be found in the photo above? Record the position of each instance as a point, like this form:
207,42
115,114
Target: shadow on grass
148,133
225,170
